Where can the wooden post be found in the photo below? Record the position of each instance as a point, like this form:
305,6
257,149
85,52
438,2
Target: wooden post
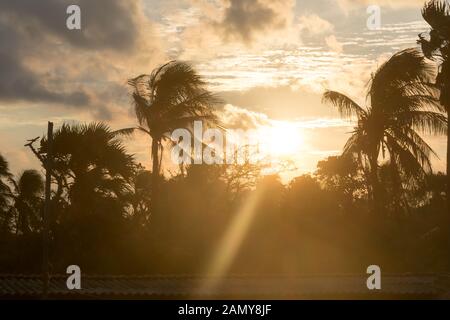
47,209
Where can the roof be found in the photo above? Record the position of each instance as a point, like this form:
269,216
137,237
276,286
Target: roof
16,286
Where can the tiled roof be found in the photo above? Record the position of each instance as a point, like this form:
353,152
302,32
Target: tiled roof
241,286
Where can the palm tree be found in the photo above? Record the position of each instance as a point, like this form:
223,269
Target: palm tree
90,162
173,96
5,193
4,168
28,200
20,204
400,102
437,47
93,173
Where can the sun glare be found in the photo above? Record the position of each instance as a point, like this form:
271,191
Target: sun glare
282,139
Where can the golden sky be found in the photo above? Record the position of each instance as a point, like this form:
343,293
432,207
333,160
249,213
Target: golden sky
270,60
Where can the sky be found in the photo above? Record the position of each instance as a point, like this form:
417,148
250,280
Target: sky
269,60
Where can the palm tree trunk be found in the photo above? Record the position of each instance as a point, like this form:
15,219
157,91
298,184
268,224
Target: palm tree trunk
448,168
448,180
376,195
447,218
444,81
155,176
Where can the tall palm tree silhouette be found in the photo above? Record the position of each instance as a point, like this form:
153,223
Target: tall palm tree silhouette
437,47
173,96
400,102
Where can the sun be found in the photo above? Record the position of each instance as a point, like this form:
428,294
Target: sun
281,139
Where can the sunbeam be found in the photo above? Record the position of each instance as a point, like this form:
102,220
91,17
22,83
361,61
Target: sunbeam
231,242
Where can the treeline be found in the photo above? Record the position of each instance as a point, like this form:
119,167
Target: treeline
318,223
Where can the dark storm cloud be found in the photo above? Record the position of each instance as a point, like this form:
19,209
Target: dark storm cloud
105,23
245,18
17,82
30,28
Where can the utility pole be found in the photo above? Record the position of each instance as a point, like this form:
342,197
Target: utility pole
47,209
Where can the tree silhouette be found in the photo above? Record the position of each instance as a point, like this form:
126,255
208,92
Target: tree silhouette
20,200
4,167
436,47
28,200
5,194
140,196
173,96
92,161
401,103
93,172
344,176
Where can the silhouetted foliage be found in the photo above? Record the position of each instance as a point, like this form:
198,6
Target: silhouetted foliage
403,103
173,96
437,47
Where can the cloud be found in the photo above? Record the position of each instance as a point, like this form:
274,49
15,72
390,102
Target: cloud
41,61
314,25
334,44
105,24
17,81
239,22
246,19
282,102
234,117
395,4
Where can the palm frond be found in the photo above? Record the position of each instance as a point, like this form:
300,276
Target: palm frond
126,132
437,14
414,151
202,102
428,122
411,162
355,144
4,167
346,106
404,67
141,108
